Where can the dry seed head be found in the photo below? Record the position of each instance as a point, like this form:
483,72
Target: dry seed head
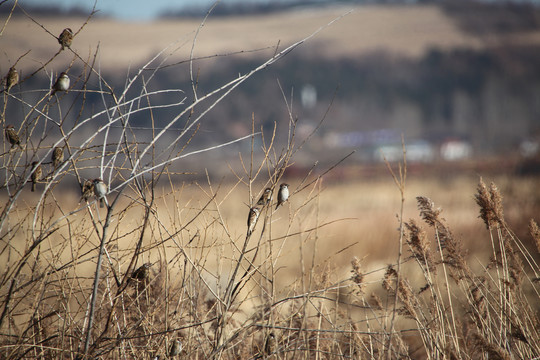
535,232
515,265
493,351
496,201
445,237
405,292
357,275
455,255
482,199
479,302
388,278
324,274
375,302
428,211
416,237
490,203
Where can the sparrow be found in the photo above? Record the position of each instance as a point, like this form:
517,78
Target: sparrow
100,190
57,156
61,84
12,78
87,190
252,219
270,346
141,273
12,136
283,194
36,174
266,197
65,38
176,348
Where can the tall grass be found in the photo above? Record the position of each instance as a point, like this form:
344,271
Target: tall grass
159,264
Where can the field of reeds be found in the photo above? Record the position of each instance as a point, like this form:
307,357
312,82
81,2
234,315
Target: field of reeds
398,266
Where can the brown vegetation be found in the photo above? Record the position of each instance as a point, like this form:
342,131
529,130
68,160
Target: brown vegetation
339,271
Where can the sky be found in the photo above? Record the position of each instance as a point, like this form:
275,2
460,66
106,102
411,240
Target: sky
132,10
146,10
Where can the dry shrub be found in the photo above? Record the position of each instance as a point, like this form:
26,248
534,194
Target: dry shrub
71,284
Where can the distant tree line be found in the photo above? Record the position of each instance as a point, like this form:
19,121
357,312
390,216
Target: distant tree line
45,10
490,97
487,97
482,17
498,15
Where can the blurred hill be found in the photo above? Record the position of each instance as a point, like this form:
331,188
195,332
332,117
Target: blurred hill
403,30
463,71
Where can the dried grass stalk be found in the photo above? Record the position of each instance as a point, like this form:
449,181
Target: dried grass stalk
490,203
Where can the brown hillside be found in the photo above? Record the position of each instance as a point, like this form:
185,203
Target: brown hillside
404,30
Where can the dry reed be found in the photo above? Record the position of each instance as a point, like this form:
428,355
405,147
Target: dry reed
156,268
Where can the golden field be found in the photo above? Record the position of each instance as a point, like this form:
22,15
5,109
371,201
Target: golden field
194,238
361,216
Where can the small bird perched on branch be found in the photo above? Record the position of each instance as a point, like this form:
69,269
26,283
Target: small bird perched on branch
270,345
252,219
141,273
12,78
100,190
266,197
61,84
37,173
176,348
12,137
66,38
87,190
57,156
283,194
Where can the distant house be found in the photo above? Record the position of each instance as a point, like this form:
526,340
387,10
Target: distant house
420,151
453,150
529,148
417,152
308,96
361,138
390,153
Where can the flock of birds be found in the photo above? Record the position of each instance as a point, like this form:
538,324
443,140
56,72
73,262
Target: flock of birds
266,199
98,188
141,274
95,187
